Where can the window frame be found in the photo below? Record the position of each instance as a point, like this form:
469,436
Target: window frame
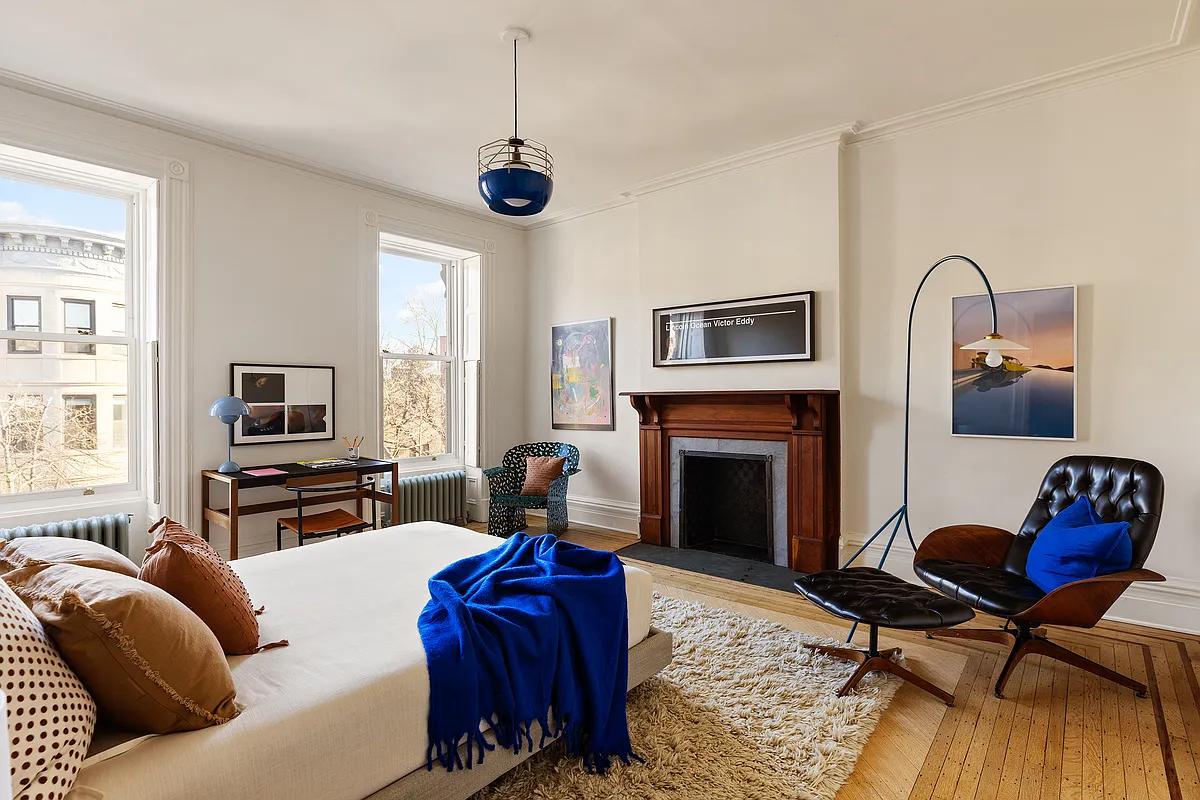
87,348
453,457
140,193
12,325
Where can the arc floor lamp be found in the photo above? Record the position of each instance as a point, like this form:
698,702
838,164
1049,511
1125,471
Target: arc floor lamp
993,343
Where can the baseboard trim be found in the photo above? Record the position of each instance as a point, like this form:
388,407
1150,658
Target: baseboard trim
612,515
1173,605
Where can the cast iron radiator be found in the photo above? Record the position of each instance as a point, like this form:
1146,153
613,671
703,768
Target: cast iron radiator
440,497
111,530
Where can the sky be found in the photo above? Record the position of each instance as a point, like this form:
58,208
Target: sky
402,279
1041,319
34,203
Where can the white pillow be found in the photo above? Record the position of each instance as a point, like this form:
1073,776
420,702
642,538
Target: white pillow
51,716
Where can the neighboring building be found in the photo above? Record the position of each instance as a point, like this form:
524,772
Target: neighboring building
63,406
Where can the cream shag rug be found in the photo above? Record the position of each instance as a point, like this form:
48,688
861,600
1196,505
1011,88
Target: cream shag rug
743,711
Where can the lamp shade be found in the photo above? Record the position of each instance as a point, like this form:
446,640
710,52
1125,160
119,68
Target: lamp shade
993,341
228,409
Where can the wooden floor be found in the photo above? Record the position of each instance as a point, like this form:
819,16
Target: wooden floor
1060,732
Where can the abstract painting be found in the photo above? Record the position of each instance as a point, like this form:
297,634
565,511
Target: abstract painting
1032,393
581,376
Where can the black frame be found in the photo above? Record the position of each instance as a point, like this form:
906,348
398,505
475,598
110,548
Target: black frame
810,332
332,401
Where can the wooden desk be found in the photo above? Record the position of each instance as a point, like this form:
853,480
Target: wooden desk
228,517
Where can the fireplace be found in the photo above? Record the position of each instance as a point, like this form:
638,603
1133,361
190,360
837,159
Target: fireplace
726,505
799,428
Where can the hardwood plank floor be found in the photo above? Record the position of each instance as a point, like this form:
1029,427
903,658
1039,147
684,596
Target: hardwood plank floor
1060,733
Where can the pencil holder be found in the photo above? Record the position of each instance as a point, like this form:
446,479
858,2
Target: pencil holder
352,453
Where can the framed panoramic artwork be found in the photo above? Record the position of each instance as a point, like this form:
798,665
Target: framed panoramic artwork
1033,394
581,376
288,403
775,328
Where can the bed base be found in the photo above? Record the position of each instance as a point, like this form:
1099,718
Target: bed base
646,659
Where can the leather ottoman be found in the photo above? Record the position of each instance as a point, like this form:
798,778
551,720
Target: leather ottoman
877,598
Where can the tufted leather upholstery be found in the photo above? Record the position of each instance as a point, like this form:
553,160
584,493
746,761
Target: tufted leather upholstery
869,595
995,591
1120,490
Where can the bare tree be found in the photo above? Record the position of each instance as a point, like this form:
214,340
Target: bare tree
414,391
43,446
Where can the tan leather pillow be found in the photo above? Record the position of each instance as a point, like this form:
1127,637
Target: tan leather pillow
187,568
17,553
150,663
51,717
539,471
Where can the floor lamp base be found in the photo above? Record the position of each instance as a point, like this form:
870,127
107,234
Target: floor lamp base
900,515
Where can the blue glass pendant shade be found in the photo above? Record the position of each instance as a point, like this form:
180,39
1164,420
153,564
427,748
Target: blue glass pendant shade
530,189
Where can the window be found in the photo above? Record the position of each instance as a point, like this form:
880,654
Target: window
418,352
79,316
24,314
66,249
120,431
79,421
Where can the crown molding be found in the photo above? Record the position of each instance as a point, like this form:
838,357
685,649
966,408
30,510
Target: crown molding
62,94
546,220
837,135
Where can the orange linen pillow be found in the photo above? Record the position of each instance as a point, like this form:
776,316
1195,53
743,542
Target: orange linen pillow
51,717
150,663
186,567
539,471
17,553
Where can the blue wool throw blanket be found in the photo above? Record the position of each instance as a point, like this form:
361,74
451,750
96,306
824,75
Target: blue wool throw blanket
533,625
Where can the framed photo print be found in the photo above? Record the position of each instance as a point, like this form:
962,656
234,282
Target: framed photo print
288,403
775,328
1033,393
581,376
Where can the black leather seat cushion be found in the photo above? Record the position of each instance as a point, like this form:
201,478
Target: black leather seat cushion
990,589
870,595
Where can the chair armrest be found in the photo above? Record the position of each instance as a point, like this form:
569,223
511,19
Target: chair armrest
974,544
1081,604
501,480
558,486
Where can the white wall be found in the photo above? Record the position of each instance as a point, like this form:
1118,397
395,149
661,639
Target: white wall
275,279
760,231
1096,187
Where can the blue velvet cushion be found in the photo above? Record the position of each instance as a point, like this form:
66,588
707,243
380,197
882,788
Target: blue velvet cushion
1076,544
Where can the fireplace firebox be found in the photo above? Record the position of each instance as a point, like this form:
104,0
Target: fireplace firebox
727,504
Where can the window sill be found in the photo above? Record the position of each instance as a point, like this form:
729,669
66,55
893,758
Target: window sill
37,508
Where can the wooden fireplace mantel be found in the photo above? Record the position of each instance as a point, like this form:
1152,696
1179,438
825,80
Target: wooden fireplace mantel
806,419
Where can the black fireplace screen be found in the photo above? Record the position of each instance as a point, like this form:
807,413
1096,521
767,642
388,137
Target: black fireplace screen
726,504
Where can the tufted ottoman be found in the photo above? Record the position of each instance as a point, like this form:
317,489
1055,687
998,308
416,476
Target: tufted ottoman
875,597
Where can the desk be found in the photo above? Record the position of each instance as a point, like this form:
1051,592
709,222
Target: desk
228,517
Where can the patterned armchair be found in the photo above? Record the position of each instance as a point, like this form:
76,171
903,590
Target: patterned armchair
506,513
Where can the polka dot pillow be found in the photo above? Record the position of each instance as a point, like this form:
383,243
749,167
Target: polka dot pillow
51,716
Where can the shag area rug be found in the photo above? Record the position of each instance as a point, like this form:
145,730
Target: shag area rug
743,711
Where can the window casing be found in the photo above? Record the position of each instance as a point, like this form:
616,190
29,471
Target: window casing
89,430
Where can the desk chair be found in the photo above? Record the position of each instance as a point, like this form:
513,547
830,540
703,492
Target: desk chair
328,523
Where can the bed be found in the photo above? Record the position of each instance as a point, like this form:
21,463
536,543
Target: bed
341,713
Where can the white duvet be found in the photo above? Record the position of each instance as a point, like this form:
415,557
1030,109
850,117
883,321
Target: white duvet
340,713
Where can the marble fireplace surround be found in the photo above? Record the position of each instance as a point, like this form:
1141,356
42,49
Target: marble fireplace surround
802,425
778,450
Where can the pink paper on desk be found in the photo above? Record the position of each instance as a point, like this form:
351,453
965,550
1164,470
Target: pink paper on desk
265,471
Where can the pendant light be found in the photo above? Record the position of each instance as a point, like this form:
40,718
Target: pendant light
516,176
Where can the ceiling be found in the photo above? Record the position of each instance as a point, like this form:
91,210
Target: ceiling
621,91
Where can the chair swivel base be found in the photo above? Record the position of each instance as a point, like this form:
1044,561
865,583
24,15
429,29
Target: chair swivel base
1025,641
872,659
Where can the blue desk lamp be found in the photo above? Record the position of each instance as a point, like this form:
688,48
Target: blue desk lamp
229,410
